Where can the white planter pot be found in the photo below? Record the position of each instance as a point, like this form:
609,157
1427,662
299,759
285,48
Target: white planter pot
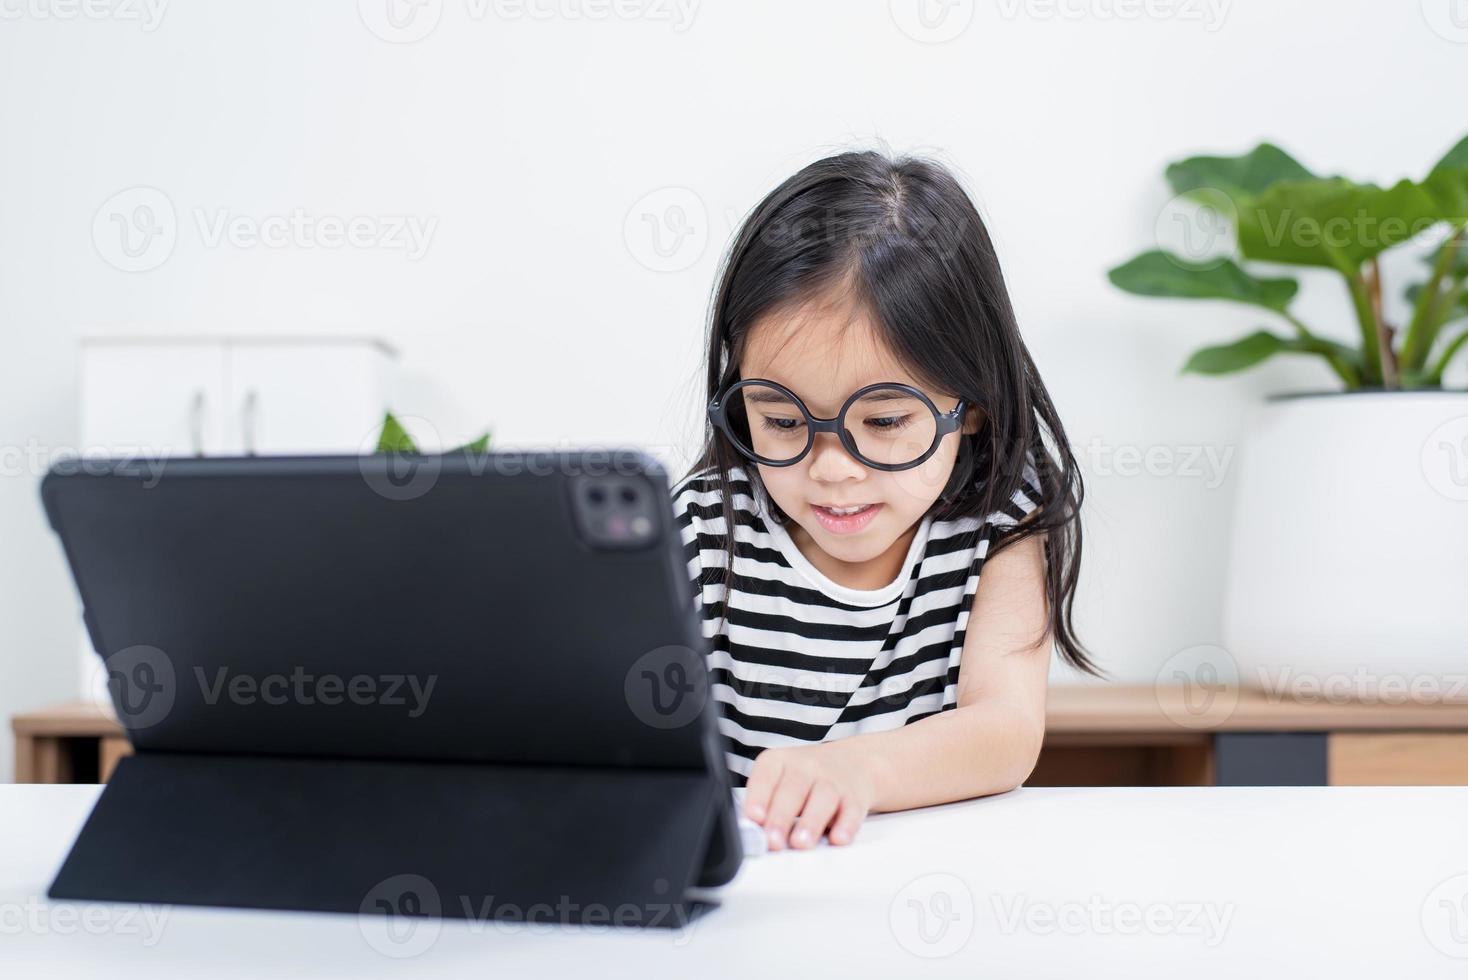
1348,572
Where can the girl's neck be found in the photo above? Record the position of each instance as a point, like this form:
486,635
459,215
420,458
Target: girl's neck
867,576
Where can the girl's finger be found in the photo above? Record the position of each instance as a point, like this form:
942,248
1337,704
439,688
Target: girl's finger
785,805
761,785
820,807
849,817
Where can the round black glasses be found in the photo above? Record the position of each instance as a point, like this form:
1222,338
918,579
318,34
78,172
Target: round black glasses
887,426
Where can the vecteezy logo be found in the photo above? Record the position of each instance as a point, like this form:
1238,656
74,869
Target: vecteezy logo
667,687
1445,458
135,229
142,684
400,21
401,916
1197,227
667,230
1445,917
1447,18
933,916
932,21
1198,687
401,475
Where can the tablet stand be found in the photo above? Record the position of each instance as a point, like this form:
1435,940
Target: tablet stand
592,845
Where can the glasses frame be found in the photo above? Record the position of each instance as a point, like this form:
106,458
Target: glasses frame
814,425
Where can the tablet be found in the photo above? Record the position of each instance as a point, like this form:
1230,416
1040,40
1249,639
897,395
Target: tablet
504,613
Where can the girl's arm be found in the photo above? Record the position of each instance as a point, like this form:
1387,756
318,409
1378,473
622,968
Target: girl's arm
987,744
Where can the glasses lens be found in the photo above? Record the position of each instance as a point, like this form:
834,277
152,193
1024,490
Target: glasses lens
891,426
767,422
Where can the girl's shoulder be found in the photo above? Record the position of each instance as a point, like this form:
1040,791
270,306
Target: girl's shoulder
706,481
1024,503
700,494
697,481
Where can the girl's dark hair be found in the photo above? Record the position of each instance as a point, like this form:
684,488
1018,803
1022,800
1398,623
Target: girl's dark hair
904,235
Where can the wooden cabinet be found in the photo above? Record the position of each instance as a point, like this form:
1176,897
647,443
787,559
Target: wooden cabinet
70,743
1398,759
1173,736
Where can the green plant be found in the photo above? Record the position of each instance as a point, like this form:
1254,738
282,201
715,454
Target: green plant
395,439
1281,213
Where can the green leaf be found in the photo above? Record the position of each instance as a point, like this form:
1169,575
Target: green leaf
477,446
1447,183
1333,224
1435,376
1236,356
1237,177
1160,274
1460,308
1458,264
1259,346
1458,267
1456,158
394,438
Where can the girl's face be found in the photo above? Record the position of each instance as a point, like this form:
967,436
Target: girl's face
824,350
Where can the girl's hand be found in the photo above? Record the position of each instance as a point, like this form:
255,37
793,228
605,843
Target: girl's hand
801,792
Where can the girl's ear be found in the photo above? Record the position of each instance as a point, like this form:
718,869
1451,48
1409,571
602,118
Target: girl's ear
973,421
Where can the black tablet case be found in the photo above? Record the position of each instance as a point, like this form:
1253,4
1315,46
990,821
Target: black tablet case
529,787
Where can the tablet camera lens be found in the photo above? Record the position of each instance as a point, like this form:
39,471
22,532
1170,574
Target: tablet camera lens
616,512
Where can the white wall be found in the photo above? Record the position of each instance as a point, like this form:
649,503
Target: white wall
529,139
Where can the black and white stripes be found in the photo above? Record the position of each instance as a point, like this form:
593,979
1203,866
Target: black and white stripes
796,657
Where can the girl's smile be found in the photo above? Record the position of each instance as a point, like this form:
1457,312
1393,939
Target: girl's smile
849,521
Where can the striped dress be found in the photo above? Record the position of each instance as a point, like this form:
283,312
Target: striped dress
796,657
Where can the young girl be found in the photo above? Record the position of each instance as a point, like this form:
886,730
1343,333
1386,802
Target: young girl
874,441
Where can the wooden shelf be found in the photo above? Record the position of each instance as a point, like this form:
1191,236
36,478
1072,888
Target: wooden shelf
1094,709
75,719
1174,736
1097,735
77,742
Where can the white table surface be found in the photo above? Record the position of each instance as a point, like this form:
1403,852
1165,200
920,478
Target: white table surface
1074,883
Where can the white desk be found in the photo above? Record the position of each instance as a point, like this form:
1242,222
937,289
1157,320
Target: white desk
1253,883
